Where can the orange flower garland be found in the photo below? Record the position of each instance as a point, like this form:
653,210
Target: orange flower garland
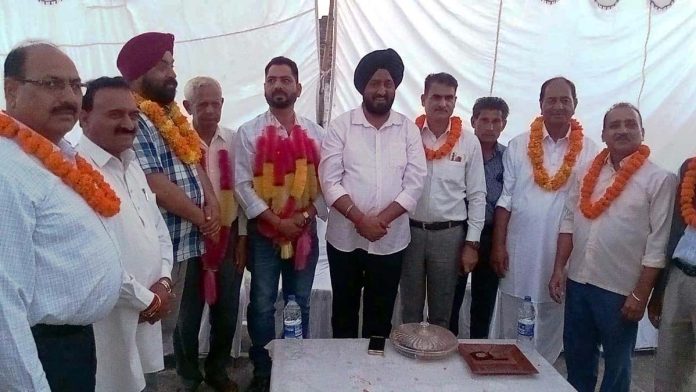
81,177
452,137
687,191
174,128
535,151
627,170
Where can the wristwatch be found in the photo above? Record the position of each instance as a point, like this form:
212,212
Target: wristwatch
474,244
306,217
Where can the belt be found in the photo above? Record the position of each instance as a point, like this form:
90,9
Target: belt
688,269
435,225
45,330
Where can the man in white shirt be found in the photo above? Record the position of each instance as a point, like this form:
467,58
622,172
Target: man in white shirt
372,172
60,269
282,224
445,229
222,264
612,238
672,306
528,214
129,339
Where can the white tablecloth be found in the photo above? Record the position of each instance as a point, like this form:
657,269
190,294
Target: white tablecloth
344,365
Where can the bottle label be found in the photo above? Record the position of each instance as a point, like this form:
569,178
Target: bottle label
525,328
293,329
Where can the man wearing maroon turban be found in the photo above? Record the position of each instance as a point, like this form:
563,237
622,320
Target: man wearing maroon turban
168,151
371,172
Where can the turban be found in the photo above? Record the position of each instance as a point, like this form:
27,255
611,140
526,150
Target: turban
142,52
386,59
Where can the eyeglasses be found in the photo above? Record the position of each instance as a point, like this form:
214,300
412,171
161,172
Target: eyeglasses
56,85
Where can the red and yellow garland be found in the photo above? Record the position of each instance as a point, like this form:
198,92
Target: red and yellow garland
174,128
687,191
535,151
452,138
81,176
216,248
285,177
634,162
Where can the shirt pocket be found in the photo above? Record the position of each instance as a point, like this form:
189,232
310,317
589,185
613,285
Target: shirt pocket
452,174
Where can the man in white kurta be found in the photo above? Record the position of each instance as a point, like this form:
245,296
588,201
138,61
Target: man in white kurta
128,343
527,220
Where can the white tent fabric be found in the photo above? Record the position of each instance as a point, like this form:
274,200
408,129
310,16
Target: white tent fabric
602,51
230,41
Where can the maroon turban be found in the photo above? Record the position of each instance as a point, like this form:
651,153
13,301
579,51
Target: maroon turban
142,52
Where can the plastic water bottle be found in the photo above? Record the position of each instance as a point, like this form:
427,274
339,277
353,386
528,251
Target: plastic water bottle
292,319
525,325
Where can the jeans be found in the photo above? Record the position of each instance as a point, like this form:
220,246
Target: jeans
484,287
223,317
68,356
379,276
266,267
593,317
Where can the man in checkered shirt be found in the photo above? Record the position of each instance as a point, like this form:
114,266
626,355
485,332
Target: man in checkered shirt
147,63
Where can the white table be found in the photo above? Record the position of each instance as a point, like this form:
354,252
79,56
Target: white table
339,365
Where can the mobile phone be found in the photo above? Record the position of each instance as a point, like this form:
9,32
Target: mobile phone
376,346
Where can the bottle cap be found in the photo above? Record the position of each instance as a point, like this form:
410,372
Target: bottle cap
291,297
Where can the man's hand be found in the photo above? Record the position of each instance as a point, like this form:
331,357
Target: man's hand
633,310
557,286
372,228
655,310
499,260
240,253
288,229
469,258
209,221
166,299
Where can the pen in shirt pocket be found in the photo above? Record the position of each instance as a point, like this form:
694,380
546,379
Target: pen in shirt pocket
147,197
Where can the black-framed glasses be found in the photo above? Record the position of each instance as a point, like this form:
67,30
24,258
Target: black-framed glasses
56,85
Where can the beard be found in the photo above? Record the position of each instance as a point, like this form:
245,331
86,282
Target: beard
378,108
280,100
163,94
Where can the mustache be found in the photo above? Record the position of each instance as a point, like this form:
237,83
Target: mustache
171,81
125,130
65,107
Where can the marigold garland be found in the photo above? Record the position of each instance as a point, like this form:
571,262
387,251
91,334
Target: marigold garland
450,142
285,177
81,176
535,151
174,128
687,191
634,162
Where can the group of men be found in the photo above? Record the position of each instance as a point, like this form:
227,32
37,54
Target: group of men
111,250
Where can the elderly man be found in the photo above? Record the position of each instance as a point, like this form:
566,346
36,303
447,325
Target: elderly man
612,238
282,214
372,173
224,259
60,269
672,306
538,167
169,153
489,117
129,340
445,229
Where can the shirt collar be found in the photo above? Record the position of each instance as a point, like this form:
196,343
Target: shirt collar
547,136
358,118
270,118
426,127
100,157
219,133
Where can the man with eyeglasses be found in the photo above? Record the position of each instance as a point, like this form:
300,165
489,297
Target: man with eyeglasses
59,266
